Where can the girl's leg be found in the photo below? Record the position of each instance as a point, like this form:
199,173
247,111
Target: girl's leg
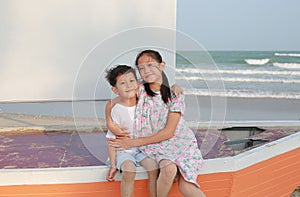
166,176
128,175
152,169
188,189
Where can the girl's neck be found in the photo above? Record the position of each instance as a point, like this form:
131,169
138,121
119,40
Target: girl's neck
128,102
155,86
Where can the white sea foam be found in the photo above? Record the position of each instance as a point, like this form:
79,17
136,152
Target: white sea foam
237,72
243,93
288,54
225,79
287,65
257,61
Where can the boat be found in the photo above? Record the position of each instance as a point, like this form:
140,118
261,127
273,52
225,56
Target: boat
257,161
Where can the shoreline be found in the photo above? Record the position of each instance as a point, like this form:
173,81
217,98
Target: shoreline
198,108
207,108
17,121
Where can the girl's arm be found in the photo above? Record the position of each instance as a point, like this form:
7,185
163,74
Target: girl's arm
166,133
114,128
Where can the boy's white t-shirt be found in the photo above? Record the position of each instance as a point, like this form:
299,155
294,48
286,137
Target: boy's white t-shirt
122,115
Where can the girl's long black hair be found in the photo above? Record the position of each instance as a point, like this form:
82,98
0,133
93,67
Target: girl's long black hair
165,87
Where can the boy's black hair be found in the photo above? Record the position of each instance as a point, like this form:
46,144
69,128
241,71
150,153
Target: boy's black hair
114,72
165,87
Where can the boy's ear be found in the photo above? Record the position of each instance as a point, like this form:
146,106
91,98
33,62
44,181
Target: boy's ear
115,90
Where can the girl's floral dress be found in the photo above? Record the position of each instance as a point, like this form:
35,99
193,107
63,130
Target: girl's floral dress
151,116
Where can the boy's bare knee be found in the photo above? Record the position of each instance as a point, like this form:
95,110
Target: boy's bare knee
128,171
128,166
149,164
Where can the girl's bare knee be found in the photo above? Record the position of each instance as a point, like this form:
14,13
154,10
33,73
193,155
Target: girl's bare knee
168,169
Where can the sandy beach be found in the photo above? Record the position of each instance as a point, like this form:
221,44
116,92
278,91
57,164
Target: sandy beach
199,108
243,109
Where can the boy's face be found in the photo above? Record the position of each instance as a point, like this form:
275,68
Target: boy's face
126,85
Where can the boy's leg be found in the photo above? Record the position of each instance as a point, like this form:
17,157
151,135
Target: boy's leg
168,171
128,174
152,169
112,159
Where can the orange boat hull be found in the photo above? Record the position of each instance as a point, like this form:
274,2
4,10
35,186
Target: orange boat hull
278,176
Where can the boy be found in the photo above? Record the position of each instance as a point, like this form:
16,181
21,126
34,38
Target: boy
124,83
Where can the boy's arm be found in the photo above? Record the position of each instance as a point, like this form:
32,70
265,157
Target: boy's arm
114,128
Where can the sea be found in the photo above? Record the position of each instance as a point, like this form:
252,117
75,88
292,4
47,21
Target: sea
244,74
229,74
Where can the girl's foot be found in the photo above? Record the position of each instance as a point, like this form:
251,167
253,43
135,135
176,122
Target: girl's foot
111,174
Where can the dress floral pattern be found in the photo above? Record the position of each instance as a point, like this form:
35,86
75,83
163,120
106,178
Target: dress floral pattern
182,149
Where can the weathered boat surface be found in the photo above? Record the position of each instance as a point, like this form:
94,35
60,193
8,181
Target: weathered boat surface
41,162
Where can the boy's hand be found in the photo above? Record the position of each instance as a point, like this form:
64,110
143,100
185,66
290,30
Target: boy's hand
177,90
111,174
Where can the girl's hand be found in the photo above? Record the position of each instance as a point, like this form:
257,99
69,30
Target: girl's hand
123,131
177,90
121,143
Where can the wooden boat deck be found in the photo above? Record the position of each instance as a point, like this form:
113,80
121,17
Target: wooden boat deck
64,148
60,163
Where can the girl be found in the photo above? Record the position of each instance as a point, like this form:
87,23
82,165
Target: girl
159,129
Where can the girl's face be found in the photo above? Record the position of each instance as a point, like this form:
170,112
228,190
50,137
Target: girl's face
150,70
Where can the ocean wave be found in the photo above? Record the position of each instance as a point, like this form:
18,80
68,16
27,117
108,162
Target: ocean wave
287,65
226,79
257,61
238,72
288,54
242,93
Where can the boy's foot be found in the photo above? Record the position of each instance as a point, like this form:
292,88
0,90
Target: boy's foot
111,174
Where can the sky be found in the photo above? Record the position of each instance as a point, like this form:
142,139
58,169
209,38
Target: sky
241,25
